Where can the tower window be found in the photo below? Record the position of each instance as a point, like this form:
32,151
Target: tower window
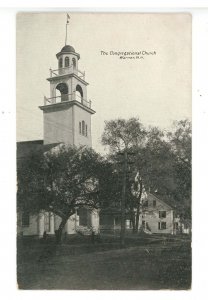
74,62
60,62
83,127
66,61
85,130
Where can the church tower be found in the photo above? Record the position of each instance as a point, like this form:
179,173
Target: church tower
67,112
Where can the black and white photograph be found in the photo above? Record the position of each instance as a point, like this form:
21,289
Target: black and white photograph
103,150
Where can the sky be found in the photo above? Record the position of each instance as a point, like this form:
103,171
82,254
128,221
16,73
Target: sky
154,87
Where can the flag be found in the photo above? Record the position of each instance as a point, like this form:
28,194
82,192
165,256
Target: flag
68,18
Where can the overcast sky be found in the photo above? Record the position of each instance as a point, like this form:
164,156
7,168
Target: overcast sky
157,88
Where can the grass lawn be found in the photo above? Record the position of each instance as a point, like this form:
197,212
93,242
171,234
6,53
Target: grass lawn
152,262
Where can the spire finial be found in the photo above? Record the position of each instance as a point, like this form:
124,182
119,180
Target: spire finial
67,23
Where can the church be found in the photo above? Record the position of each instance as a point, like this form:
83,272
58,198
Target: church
66,120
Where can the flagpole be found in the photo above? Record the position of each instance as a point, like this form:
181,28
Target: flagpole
66,34
67,22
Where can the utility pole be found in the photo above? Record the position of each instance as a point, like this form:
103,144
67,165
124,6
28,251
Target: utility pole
125,171
123,201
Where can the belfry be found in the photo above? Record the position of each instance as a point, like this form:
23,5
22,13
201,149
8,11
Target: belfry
67,112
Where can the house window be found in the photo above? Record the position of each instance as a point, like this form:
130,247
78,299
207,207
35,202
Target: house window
162,214
85,130
145,203
154,203
161,225
80,127
176,225
25,219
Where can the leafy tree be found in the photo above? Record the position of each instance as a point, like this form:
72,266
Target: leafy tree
163,160
180,140
121,135
62,181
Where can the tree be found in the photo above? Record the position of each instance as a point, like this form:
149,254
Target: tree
163,160
121,135
165,165
180,139
62,181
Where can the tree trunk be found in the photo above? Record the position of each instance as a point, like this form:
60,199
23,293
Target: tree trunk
138,206
60,230
133,221
123,203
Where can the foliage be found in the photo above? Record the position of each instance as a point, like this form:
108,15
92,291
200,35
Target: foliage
163,160
122,134
64,180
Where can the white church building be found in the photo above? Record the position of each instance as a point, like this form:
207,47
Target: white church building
66,120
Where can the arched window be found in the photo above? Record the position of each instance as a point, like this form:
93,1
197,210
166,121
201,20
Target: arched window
66,61
79,93
60,62
63,89
74,62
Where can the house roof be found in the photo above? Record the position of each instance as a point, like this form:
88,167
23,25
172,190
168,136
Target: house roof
150,196
153,197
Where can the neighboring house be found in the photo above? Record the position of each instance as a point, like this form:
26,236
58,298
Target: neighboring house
66,120
156,216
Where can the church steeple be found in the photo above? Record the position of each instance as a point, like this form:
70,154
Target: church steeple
67,112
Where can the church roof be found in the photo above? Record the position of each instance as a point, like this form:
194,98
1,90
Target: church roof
67,49
26,148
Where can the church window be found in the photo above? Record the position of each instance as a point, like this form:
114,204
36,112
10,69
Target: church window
66,61
80,127
25,219
60,62
117,221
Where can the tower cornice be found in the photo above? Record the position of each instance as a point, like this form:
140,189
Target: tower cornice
59,77
64,105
